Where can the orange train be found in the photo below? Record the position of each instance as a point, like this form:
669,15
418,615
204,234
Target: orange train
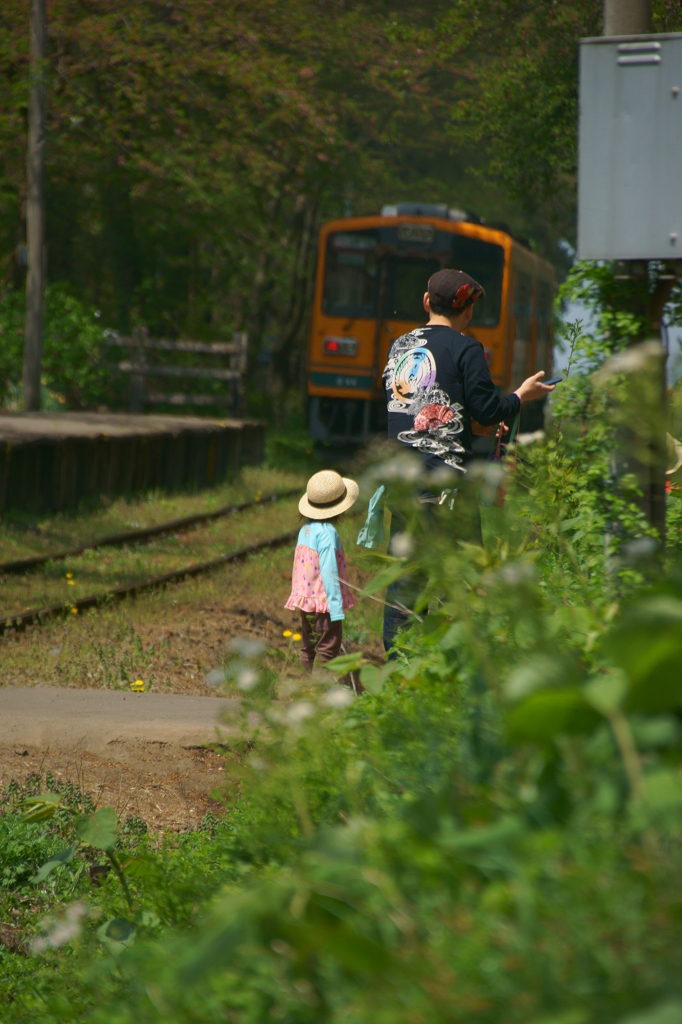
371,276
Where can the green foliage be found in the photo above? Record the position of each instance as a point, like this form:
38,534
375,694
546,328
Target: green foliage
192,155
72,336
491,831
521,98
98,829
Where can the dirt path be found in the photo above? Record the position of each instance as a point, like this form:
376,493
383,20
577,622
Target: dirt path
139,752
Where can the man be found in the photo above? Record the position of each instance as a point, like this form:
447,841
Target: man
437,381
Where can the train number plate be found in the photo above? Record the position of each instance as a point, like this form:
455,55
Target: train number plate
416,232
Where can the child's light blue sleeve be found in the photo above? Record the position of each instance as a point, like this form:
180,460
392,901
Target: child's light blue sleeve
329,571
372,533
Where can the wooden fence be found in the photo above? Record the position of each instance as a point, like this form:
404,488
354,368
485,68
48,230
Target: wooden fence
140,345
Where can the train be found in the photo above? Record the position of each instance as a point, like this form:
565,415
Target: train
371,276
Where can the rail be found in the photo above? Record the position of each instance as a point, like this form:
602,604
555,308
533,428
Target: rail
139,536
38,616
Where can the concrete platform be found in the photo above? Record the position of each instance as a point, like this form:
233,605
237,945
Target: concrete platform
94,720
51,461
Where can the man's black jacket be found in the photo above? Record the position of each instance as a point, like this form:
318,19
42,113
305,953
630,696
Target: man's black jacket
429,371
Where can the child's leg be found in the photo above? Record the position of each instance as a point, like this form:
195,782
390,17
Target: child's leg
309,640
329,644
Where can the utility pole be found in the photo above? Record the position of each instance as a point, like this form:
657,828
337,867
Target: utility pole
35,210
627,17
633,18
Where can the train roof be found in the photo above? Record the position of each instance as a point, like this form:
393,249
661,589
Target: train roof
443,217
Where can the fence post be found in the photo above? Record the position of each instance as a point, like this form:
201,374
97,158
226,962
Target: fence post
138,357
239,362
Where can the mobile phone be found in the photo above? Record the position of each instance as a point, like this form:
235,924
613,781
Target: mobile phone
552,380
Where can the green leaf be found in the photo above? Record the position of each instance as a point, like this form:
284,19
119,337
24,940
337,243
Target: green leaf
547,714
661,1013
373,678
647,646
661,799
606,693
98,829
138,867
499,833
539,672
116,934
54,862
660,731
384,579
41,807
345,663
575,1016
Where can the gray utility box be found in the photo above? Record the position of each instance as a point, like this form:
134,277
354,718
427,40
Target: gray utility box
630,159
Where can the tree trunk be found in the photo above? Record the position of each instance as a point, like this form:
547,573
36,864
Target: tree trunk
35,211
281,350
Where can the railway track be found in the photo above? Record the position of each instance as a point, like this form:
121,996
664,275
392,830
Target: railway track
37,616
139,536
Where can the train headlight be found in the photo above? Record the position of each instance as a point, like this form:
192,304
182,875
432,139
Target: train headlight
340,346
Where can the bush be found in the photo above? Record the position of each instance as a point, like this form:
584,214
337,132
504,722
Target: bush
491,832
71,376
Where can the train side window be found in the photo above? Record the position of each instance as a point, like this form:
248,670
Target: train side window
350,275
523,316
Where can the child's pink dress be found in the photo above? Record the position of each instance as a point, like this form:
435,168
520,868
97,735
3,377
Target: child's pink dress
318,580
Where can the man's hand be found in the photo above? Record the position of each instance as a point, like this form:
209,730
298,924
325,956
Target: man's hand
502,429
533,388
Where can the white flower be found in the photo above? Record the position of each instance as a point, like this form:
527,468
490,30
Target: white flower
338,697
301,710
404,467
247,648
216,677
402,545
60,930
247,679
537,435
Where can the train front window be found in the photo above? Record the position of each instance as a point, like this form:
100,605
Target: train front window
408,277
351,275
484,261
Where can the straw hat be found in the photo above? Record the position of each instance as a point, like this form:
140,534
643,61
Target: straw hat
328,495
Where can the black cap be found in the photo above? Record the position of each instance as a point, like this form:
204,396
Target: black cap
453,290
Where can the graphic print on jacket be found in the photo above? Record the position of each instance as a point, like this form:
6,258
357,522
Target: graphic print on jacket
411,380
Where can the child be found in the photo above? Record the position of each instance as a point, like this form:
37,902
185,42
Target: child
317,587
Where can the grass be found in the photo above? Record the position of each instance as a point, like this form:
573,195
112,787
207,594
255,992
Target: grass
97,571
22,536
173,637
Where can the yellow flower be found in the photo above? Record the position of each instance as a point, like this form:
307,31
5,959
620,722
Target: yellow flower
297,636
74,611
69,575
287,632
138,686
71,583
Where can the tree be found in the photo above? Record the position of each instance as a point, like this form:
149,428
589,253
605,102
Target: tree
521,95
193,151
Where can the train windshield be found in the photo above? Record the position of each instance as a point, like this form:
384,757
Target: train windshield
407,280
352,273
484,261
